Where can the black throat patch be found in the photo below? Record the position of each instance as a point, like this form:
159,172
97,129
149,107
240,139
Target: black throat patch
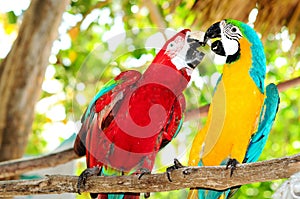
234,57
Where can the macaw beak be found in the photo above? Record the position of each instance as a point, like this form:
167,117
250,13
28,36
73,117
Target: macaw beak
193,55
212,32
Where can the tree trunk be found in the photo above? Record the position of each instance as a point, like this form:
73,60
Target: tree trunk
22,73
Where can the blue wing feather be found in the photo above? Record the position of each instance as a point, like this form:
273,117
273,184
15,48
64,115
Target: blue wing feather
179,126
267,117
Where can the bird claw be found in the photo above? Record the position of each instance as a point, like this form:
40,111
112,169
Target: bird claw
84,175
177,165
147,195
232,165
143,171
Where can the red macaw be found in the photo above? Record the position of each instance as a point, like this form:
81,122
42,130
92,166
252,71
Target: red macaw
135,115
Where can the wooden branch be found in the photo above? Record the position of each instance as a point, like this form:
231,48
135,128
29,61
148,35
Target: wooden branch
155,14
17,167
156,17
203,177
283,86
196,113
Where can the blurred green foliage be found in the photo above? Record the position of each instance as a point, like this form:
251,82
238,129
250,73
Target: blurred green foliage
98,39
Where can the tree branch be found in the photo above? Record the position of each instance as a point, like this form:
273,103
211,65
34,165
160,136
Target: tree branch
156,17
203,177
283,86
197,112
17,167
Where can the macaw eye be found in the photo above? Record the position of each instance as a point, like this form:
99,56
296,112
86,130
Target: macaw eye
233,29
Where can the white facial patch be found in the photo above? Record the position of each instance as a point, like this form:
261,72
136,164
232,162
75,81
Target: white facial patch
175,46
177,51
180,63
230,45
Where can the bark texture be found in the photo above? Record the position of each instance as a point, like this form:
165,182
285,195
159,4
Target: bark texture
22,73
20,166
203,177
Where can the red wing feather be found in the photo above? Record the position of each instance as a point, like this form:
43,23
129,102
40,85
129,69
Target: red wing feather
102,107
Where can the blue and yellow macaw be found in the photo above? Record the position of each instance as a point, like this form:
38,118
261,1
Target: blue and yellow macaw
242,110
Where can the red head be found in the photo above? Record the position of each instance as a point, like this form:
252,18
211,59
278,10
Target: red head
180,52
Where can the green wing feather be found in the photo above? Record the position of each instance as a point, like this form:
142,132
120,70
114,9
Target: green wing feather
106,88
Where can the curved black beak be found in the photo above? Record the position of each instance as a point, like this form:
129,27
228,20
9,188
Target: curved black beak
213,31
194,56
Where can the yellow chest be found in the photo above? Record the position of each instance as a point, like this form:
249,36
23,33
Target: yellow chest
232,117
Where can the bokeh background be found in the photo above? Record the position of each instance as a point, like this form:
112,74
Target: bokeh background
99,39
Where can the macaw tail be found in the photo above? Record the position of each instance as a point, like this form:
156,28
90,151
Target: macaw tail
193,194
119,196
107,171
207,194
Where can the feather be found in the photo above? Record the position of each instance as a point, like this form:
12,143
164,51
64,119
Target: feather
267,117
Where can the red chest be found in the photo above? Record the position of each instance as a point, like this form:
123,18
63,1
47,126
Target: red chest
150,102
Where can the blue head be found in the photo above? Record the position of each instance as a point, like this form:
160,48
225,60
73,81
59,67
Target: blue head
232,35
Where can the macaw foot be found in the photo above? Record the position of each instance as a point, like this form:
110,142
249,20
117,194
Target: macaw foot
94,195
142,172
176,165
147,195
232,165
83,177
